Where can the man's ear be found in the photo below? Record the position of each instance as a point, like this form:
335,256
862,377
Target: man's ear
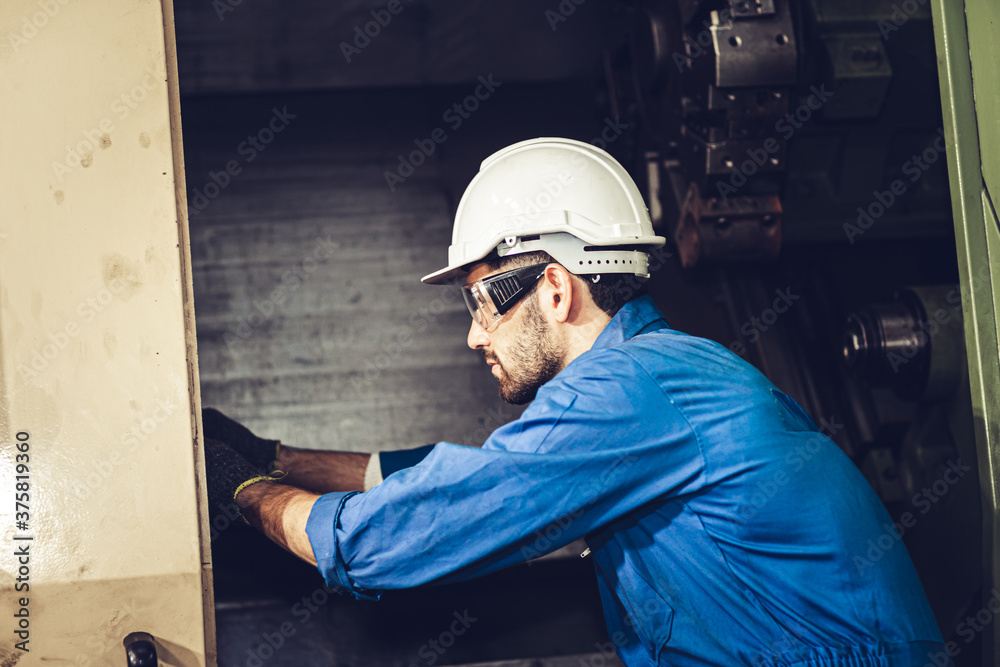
557,291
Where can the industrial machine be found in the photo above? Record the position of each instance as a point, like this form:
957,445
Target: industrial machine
833,148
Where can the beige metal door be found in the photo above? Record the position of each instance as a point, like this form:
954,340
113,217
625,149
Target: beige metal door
98,364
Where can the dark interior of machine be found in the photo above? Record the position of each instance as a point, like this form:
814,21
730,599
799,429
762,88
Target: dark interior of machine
793,168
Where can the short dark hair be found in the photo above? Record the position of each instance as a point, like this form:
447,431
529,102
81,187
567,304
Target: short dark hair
612,292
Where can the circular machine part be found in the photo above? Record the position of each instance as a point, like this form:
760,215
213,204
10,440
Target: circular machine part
914,345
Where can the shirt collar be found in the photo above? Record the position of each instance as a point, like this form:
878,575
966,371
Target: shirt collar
637,316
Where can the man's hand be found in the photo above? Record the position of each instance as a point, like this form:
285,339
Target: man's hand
262,454
278,511
321,471
226,473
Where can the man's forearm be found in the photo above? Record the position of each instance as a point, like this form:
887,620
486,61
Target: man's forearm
281,513
323,471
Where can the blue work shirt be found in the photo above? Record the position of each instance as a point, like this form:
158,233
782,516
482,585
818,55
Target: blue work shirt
725,527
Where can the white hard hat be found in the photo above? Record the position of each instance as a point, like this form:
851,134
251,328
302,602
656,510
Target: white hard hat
566,197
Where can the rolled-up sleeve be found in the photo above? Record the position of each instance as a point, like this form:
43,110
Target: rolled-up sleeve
322,531
599,441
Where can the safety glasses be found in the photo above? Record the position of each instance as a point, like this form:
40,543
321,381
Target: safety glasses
490,298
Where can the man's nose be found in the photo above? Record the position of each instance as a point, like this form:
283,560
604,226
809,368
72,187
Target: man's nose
478,336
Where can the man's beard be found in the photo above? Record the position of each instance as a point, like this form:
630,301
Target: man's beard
531,360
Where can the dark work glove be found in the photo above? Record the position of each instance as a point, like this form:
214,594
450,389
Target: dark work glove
393,460
261,453
226,474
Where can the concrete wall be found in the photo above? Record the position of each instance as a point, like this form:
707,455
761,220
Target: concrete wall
270,45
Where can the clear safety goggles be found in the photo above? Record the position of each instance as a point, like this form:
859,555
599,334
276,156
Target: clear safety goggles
491,298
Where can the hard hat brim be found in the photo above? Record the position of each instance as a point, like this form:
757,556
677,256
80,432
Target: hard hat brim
445,275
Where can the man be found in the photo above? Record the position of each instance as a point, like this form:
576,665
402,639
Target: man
724,527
